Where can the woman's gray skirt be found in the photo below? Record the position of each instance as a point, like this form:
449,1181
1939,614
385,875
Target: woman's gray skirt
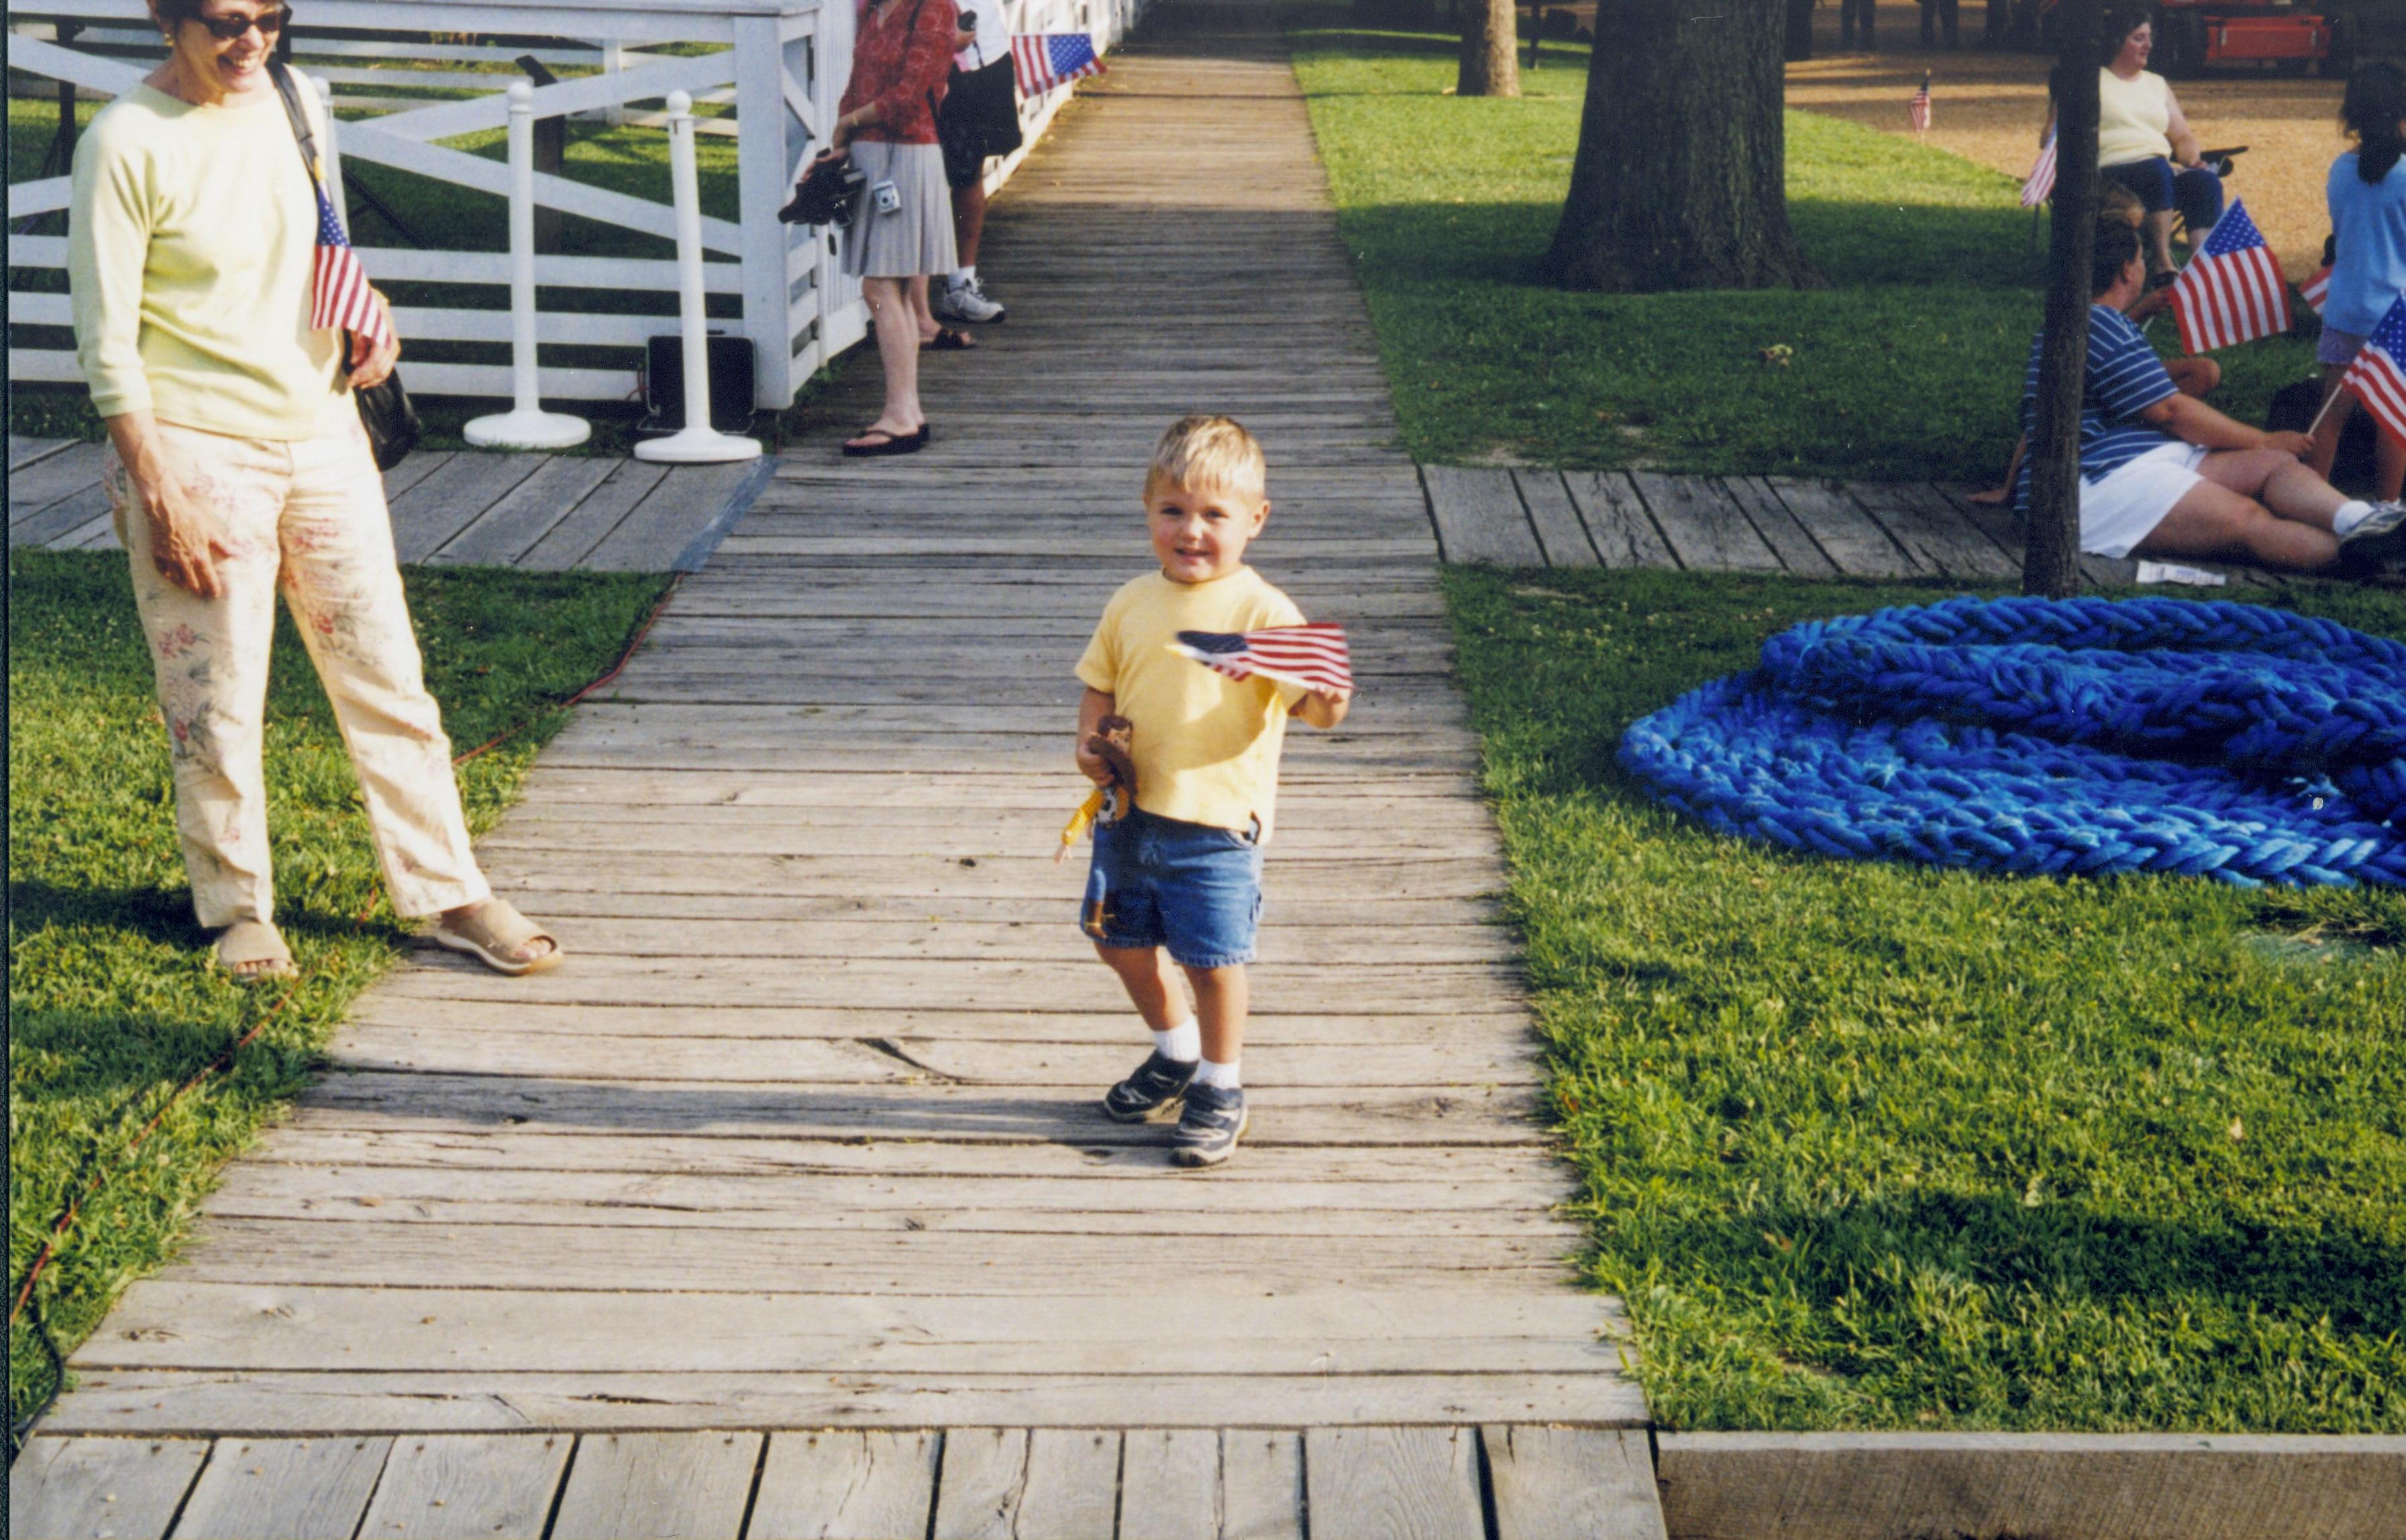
915,238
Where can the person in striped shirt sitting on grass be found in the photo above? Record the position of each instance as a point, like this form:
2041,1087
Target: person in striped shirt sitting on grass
2164,474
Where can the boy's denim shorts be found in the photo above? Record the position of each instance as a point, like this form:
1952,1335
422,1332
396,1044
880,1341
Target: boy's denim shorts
1190,888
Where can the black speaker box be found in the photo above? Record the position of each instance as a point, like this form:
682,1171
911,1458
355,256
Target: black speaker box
730,385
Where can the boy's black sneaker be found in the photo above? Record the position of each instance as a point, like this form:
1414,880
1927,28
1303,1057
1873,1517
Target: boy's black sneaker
1210,1128
1155,1086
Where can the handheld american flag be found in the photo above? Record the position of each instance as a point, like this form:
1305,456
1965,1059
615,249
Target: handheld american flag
1313,657
2376,377
1917,111
2232,290
339,295
2315,291
1045,61
2040,184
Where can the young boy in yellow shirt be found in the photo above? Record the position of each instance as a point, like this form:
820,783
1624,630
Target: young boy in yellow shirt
1181,872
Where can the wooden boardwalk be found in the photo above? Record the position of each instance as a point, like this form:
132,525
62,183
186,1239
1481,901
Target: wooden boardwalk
543,513
1507,518
785,1209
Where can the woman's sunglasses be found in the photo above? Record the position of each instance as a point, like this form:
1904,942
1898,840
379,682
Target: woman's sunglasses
225,29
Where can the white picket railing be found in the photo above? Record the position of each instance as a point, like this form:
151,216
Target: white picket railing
782,63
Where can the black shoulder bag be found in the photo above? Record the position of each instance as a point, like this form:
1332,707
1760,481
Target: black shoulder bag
391,423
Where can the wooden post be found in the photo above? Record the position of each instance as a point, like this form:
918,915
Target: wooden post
2051,552
766,180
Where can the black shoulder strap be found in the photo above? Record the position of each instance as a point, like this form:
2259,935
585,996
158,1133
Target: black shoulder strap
302,134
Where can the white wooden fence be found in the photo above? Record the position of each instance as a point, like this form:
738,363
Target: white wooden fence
781,63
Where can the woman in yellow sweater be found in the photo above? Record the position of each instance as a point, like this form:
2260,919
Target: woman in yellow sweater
238,466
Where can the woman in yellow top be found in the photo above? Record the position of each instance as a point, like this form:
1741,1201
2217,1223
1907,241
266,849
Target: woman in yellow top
238,466
2144,143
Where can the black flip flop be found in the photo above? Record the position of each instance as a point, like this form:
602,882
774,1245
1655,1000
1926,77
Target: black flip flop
947,340
896,443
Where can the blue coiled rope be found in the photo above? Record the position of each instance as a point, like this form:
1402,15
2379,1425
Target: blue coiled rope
2080,736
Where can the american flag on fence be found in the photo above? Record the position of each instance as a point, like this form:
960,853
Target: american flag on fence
1043,61
2376,377
2232,290
1313,657
2040,184
2316,288
1917,111
339,295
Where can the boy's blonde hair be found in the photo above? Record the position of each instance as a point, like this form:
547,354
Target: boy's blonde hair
1210,451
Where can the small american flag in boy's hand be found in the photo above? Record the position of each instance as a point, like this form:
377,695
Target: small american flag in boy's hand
1313,657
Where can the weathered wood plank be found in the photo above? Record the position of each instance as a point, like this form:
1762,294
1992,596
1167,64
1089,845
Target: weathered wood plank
416,468
586,525
1852,538
1572,1484
427,516
25,451
1393,1483
153,1401
467,1487
846,1484
1940,539
506,1331
1616,522
306,1488
65,524
1071,1488
1170,1484
510,528
1779,529
1261,1485
70,470
691,503
658,1486
886,1061
1479,519
81,1489
1555,518
985,1475
1707,531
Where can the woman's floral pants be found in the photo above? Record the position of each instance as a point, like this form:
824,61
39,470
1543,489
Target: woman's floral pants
309,517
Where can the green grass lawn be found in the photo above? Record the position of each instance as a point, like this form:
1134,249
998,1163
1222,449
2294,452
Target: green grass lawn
1908,365
1882,1146
113,1000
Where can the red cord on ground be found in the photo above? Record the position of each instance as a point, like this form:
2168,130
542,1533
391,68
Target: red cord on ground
615,669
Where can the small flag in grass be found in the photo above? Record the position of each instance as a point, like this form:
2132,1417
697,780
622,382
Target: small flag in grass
1917,111
1313,657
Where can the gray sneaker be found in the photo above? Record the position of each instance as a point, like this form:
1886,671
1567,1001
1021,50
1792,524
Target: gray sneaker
2381,538
1153,1090
1208,1130
967,301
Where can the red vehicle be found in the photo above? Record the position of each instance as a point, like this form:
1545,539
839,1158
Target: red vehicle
2195,36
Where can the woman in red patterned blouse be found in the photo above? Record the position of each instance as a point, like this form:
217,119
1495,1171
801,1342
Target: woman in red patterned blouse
902,57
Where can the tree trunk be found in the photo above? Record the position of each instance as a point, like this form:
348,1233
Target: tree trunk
1800,30
2051,555
1489,66
1681,176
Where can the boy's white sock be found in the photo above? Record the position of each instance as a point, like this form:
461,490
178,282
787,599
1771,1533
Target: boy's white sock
1182,1042
963,275
1222,1075
2350,515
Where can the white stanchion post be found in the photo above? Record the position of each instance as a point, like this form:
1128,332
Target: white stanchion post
697,443
526,424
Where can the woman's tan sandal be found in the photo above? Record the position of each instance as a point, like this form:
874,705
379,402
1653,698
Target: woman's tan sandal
252,951
494,932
